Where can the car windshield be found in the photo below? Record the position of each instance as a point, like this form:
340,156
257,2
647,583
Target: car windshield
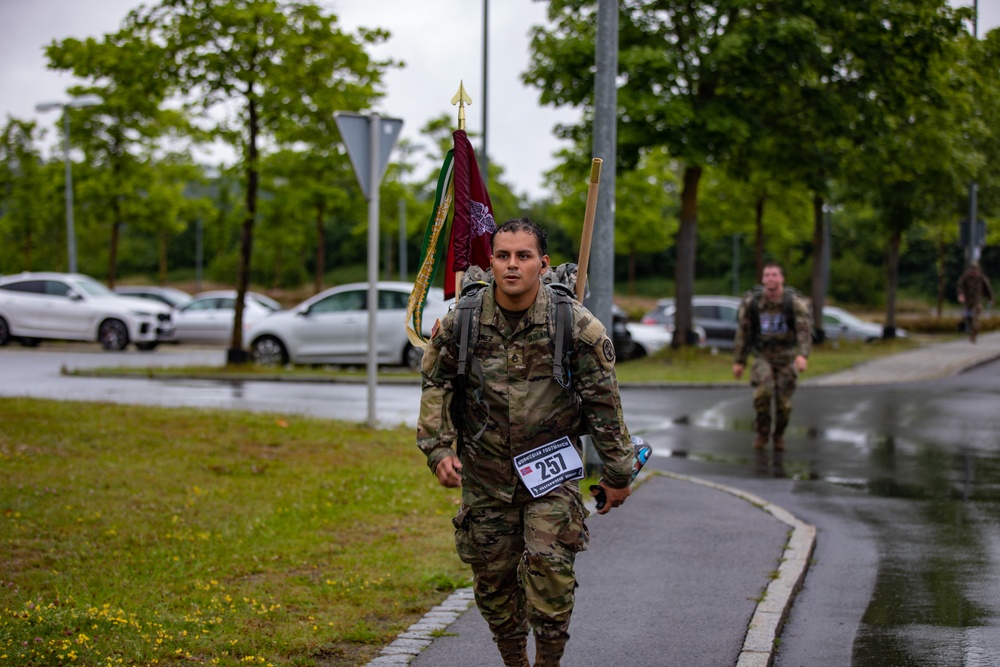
92,287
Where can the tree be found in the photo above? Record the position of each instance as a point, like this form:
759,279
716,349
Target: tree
684,84
119,134
25,215
253,71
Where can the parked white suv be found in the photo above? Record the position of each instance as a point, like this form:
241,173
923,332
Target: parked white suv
70,306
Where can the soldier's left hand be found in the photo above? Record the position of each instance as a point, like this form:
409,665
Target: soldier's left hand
615,497
801,363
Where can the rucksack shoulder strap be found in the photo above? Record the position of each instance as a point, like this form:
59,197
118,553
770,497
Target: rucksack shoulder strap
563,335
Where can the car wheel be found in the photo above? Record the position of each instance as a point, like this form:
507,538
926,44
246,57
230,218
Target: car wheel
147,347
268,351
113,335
4,332
412,357
638,352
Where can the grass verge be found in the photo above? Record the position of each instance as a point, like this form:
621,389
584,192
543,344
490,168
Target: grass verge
704,366
686,365
143,536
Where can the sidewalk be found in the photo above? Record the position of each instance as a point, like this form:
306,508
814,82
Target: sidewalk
931,362
699,560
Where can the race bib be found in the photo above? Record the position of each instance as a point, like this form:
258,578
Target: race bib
547,467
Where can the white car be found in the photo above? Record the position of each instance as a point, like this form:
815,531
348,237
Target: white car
332,328
71,306
649,339
208,318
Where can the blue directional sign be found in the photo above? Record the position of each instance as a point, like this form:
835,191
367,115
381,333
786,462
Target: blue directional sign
356,131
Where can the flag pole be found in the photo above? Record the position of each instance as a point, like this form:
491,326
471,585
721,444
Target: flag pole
461,98
588,228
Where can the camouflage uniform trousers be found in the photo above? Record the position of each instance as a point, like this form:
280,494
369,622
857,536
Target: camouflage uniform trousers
771,379
973,311
522,555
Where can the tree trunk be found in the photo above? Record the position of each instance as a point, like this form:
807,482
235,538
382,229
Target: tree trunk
236,354
939,265
631,272
320,248
818,287
116,225
163,257
892,282
758,245
687,245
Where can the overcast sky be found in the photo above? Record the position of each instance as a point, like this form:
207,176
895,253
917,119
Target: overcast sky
440,41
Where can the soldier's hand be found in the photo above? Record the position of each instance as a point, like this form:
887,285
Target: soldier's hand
801,363
449,472
737,370
615,497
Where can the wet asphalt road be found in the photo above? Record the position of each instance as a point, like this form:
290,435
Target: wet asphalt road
902,483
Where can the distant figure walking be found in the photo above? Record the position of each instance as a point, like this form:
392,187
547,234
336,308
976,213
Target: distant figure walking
974,290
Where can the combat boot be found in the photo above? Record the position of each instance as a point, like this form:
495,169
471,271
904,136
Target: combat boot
779,443
514,652
760,442
548,652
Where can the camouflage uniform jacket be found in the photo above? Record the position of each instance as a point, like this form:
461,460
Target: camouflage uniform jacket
775,341
975,286
523,406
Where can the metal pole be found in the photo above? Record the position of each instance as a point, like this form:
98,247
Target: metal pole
375,128
198,253
605,147
70,229
402,240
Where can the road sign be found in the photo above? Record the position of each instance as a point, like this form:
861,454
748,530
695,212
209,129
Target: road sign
357,134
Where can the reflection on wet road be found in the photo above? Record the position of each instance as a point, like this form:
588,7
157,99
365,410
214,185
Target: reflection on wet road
918,465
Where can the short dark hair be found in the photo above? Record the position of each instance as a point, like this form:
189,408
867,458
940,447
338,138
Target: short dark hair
776,265
525,225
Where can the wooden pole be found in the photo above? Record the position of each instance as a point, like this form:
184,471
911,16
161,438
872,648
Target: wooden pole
588,228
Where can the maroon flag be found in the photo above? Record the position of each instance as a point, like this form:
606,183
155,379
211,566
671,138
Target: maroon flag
472,225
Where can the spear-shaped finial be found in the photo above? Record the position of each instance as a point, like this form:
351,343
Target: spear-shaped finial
461,99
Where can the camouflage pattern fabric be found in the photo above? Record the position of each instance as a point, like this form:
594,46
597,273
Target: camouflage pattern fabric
521,549
976,288
522,405
522,557
773,374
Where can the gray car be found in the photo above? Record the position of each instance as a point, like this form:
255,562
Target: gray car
716,314
838,324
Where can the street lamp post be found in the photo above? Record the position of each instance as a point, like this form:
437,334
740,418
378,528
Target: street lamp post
87,101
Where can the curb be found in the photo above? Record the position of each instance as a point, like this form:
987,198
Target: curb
769,616
762,632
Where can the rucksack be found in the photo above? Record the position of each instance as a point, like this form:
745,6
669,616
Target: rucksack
562,280
753,310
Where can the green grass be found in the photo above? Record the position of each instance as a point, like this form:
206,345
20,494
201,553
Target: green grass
141,536
702,366
686,366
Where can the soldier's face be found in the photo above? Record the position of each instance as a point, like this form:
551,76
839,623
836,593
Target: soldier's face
517,267
772,278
